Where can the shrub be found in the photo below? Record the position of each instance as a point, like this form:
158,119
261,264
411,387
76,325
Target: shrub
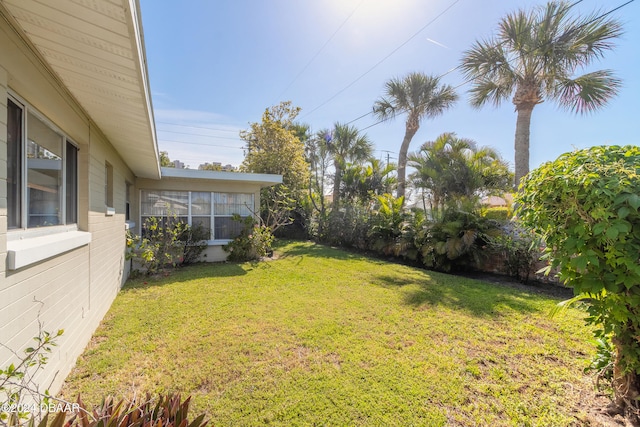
253,242
386,225
453,240
166,243
586,205
348,226
194,241
519,248
498,213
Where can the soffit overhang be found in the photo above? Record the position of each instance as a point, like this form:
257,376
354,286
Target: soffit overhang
96,49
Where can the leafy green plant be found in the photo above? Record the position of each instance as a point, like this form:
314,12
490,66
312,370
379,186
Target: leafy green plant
602,363
253,242
453,240
194,240
586,205
389,224
348,226
18,390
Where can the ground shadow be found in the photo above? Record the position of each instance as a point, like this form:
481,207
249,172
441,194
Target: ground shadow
295,248
189,272
479,298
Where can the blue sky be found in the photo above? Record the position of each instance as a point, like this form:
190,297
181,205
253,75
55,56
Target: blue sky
215,66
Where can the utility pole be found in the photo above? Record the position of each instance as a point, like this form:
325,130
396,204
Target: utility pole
388,156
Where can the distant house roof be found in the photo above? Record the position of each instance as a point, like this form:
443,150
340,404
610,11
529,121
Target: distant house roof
262,179
96,48
493,201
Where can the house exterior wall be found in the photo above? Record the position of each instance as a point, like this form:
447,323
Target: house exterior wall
72,290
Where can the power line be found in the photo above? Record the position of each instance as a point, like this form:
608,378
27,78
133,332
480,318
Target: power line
320,50
201,134
198,143
197,127
473,78
382,60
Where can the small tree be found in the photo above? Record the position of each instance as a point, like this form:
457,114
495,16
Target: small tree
586,206
273,146
165,161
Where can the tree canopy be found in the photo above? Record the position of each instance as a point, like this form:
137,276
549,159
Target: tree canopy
273,147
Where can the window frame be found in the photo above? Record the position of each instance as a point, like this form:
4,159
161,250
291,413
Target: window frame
64,224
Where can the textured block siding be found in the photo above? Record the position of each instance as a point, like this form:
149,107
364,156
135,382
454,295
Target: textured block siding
61,284
76,287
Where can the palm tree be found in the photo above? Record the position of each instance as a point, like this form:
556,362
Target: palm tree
347,146
455,170
366,180
420,96
533,58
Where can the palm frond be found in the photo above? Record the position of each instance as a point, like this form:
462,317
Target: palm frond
588,92
384,109
486,91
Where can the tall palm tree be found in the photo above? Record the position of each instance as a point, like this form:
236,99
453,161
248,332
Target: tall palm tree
347,146
533,58
420,96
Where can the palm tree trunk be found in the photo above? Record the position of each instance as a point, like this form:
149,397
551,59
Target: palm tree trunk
521,145
402,159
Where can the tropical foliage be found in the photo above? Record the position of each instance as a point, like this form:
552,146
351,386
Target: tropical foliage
346,146
534,57
165,244
454,170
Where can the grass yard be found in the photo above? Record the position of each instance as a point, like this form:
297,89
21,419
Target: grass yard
320,336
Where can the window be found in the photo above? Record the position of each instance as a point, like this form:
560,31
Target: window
212,211
224,206
42,167
108,185
201,210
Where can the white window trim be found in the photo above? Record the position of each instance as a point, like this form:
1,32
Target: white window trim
22,251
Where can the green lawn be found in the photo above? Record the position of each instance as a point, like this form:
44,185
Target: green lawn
320,336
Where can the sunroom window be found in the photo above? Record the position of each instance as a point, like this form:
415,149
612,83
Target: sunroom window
210,210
